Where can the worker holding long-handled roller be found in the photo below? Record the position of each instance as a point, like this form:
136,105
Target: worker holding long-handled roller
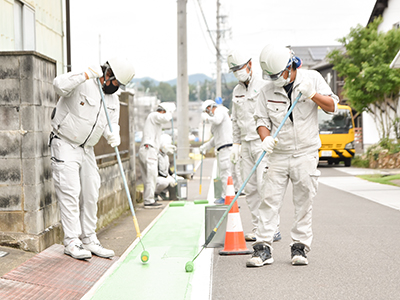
148,151
78,122
221,128
295,155
246,147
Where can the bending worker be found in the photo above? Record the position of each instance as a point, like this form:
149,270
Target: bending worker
221,128
78,122
148,152
165,175
294,153
246,141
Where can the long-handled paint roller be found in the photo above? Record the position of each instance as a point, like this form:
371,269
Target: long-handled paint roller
190,265
201,170
145,254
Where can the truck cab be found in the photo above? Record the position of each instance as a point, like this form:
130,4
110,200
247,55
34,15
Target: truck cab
337,136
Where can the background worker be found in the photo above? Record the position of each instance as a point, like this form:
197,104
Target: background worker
295,155
148,152
246,142
78,122
221,128
165,176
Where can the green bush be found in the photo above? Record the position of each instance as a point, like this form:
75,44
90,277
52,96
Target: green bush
360,162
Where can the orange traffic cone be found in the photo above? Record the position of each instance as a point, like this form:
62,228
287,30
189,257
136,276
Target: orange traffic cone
235,243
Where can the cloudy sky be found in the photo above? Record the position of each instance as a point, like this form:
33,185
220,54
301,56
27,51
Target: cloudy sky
146,30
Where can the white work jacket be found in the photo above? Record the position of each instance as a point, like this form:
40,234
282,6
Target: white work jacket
243,106
221,128
163,164
79,116
153,128
302,135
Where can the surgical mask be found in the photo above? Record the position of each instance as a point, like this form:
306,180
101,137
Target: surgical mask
281,82
110,89
242,75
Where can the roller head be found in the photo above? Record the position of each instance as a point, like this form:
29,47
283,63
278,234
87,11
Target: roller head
189,267
144,256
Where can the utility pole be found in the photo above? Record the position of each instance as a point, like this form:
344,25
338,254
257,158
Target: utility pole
182,90
218,87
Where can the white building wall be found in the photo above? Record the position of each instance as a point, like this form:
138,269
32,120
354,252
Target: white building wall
48,28
391,16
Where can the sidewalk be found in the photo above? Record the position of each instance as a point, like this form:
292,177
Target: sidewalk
387,195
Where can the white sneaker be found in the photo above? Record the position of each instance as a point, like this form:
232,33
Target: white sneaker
77,251
97,249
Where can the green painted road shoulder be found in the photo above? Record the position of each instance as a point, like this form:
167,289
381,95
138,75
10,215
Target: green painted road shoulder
171,242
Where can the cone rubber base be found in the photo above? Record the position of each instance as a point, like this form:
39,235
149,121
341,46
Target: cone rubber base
238,252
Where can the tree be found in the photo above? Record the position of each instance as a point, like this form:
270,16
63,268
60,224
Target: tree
369,83
166,92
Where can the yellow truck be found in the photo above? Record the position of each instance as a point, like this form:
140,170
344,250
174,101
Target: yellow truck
337,136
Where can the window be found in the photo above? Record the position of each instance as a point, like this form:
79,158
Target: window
24,26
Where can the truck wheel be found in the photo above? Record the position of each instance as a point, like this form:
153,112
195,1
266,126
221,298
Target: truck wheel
347,162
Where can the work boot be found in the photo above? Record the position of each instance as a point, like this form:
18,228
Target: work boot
299,254
250,237
153,205
220,201
261,256
277,236
77,251
97,249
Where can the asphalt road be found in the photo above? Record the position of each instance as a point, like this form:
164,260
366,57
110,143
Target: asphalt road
354,255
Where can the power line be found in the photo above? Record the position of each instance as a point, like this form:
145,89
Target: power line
208,30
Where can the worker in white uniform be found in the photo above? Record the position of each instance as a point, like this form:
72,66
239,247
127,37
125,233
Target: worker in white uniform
221,129
148,152
165,176
246,141
293,154
78,122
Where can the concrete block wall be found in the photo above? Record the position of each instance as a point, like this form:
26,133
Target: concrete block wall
29,216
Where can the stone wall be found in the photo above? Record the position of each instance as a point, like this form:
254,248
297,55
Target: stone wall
29,214
385,161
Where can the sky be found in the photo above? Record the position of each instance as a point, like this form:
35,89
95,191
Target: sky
146,30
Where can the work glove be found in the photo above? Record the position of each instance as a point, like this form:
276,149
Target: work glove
172,181
113,138
306,87
94,72
203,149
268,144
205,117
171,149
235,152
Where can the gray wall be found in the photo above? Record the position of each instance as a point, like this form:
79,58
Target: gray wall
29,214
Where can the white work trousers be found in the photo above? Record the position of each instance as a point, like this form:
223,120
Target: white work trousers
237,174
303,173
148,162
77,182
162,184
250,153
225,167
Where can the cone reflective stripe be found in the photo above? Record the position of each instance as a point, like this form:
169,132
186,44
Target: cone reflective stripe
235,243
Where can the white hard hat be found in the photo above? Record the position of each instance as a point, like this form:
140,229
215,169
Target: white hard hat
167,106
208,103
274,60
236,61
123,69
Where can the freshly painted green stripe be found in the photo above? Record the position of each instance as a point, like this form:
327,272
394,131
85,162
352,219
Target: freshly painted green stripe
171,243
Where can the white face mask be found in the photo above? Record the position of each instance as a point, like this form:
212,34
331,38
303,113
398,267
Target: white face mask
242,75
281,82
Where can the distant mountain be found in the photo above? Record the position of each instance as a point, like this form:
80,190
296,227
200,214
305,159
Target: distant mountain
193,79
